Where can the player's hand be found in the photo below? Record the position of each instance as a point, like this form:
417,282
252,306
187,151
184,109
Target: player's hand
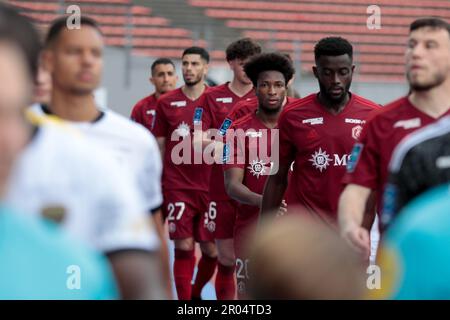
358,238
283,209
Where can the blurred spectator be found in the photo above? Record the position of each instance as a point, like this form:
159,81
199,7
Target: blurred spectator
415,253
299,257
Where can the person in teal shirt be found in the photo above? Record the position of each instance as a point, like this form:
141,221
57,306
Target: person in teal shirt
415,258
38,261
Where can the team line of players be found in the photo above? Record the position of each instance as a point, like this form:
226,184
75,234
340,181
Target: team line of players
313,140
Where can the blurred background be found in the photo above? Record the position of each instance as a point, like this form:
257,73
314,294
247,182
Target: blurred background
139,31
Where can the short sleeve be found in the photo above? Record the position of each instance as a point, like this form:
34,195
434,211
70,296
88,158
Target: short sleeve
363,165
150,175
136,114
119,222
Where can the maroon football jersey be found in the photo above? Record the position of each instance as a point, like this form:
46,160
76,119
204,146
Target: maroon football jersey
384,130
144,112
251,151
243,108
176,116
320,143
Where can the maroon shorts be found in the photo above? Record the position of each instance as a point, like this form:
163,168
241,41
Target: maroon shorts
186,214
221,216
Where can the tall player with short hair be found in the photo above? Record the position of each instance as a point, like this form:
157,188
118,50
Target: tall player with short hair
185,182
164,79
222,210
318,132
35,255
428,74
246,171
99,213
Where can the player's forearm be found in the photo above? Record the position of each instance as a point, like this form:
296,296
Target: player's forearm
145,282
164,250
352,205
273,194
242,194
370,212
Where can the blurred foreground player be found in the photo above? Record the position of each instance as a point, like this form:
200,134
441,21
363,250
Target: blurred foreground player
420,162
298,257
428,74
35,257
74,59
415,253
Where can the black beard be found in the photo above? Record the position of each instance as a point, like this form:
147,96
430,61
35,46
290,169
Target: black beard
270,111
192,83
324,93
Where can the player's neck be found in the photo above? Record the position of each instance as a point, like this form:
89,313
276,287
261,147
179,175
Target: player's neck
77,108
434,102
194,92
331,106
238,88
270,120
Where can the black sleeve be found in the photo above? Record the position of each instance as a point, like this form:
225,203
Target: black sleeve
402,187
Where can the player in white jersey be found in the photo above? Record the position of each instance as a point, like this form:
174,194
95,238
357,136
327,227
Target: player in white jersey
61,176
111,220
74,60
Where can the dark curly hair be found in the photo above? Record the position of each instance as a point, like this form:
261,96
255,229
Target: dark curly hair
333,46
269,62
242,49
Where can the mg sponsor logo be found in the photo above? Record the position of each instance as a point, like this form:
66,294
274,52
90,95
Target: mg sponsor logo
341,160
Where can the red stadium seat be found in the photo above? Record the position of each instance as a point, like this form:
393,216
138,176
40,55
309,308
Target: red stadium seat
337,8
148,32
283,23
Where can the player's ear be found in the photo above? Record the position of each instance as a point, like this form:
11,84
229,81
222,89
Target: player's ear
151,80
47,60
230,63
353,68
316,73
290,82
205,70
